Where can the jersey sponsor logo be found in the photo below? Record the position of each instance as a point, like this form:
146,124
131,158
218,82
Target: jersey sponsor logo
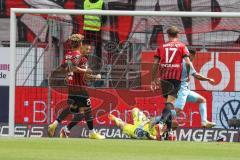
170,65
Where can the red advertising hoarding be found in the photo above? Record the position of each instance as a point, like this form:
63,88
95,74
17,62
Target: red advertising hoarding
32,102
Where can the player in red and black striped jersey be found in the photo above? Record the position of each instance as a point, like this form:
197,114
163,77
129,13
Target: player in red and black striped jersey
79,102
77,67
168,60
171,55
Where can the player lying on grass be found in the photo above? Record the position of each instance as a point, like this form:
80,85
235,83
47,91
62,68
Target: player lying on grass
79,104
186,95
140,128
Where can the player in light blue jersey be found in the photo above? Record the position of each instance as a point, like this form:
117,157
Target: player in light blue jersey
186,95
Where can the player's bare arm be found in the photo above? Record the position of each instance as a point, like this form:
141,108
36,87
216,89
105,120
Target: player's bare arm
203,78
89,76
81,70
93,77
200,77
154,73
188,64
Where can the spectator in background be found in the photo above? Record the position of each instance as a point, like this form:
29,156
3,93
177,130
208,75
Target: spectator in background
92,28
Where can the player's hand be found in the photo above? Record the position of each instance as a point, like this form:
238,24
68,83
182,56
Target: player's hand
98,77
153,85
211,81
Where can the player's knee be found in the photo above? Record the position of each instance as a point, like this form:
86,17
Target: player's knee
204,100
178,111
201,100
171,98
175,124
169,106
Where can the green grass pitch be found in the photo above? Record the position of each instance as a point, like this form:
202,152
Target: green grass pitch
84,149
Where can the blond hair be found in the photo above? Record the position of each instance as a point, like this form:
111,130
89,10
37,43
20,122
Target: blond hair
76,40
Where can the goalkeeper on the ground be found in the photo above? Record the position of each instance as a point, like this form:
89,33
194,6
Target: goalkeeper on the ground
140,129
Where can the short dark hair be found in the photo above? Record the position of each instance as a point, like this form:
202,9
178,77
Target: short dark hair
173,31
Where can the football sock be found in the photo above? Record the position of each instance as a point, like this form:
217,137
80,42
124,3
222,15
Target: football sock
169,123
203,111
77,118
174,113
89,118
166,113
90,124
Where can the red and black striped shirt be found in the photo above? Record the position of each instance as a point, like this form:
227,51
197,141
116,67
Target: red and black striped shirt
171,55
78,82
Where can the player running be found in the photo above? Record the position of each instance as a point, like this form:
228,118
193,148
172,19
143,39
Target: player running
140,128
186,95
79,102
168,59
